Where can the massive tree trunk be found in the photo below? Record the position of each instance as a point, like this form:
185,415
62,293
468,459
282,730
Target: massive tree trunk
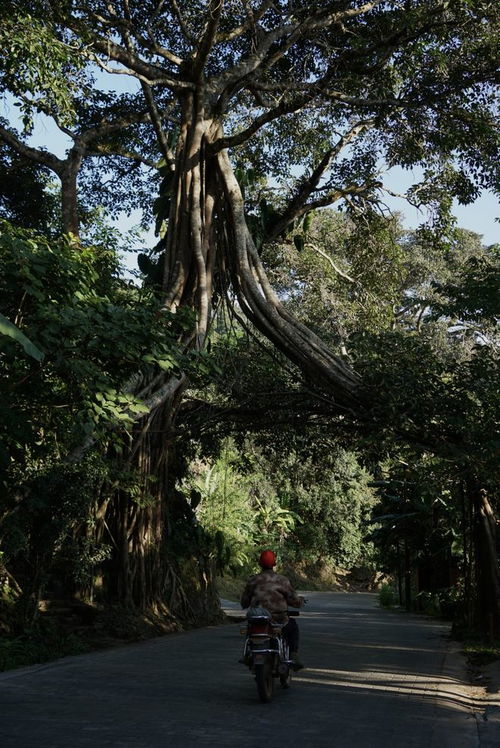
208,243
208,233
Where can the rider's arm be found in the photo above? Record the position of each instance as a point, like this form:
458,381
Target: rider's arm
296,601
247,594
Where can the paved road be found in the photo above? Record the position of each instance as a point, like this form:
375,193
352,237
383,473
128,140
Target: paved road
375,679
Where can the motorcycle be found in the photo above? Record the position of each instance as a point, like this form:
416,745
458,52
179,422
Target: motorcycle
266,651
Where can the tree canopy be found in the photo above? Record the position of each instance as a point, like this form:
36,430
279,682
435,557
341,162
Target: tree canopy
320,97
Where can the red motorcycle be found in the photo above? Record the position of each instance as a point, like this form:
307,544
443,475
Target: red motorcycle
266,651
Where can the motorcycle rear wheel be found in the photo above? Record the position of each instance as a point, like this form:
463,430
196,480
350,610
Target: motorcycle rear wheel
264,680
286,680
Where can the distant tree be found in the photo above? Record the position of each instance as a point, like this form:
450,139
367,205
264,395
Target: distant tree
24,197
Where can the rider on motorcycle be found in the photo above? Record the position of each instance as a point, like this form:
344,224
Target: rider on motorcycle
275,593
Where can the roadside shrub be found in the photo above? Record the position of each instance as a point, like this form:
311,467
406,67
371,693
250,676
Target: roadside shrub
387,596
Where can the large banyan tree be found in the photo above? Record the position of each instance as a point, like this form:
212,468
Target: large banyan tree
318,97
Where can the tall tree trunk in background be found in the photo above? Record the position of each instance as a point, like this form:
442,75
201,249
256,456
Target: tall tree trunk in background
69,200
487,563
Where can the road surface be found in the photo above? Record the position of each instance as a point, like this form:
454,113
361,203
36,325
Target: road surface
374,679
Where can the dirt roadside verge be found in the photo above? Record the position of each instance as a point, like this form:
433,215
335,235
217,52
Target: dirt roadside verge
488,720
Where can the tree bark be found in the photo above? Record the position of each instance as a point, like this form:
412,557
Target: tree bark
487,564
69,200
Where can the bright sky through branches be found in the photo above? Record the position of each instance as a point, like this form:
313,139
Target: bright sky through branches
482,216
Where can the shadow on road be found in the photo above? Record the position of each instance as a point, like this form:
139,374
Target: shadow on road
374,680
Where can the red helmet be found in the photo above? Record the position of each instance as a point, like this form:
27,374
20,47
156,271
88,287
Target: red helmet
267,559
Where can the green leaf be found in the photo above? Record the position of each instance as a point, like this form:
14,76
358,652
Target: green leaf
308,219
298,240
9,328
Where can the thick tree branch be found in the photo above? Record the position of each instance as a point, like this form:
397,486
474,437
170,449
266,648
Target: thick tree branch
250,63
105,126
327,257
286,107
207,38
151,74
156,120
151,80
300,203
126,25
34,154
263,307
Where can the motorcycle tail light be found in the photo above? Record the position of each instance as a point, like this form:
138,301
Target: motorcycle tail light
258,628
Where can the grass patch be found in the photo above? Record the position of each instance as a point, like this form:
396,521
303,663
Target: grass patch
72,629
45,642
480,652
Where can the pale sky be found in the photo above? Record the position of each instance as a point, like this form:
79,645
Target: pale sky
482,216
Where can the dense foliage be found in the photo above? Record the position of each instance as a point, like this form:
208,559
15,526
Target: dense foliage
94,332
